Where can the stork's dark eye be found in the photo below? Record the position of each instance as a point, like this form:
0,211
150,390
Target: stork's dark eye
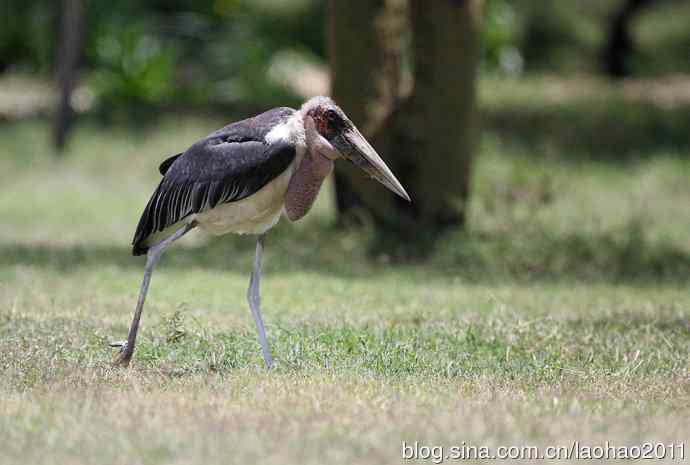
328,121
332,115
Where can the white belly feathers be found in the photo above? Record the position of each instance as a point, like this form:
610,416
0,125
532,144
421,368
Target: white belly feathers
254,215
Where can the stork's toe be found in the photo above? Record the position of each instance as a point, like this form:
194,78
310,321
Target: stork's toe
124,357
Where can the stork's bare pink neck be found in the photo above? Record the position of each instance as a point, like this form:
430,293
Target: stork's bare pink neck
305,184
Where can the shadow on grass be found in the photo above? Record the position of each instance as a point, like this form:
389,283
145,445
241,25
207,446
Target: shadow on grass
618,256
315,249
621,256
605,129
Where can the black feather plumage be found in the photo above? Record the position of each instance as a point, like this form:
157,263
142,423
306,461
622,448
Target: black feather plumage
167,163
228,165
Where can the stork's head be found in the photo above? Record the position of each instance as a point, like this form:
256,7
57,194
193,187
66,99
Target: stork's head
331,133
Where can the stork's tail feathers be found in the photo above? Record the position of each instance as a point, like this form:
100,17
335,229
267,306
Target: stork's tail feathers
170,204
144,230
147,224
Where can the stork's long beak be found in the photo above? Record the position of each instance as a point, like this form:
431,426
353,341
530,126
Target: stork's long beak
354,147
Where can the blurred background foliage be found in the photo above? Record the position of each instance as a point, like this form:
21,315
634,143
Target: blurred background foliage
575,170
155,52
159,52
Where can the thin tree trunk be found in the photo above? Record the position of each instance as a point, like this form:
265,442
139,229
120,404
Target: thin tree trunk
619,44
67,63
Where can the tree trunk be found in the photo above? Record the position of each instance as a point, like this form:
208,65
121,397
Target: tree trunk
440,121
366,42
428,137
66,69
619,44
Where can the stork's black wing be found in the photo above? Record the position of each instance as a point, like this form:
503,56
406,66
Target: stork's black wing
167,163
228,165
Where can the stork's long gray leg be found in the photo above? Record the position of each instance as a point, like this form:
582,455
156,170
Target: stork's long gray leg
254,298
152,256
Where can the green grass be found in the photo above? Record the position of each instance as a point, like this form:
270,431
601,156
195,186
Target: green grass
561,314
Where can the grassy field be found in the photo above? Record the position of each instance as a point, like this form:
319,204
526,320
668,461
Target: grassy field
562,314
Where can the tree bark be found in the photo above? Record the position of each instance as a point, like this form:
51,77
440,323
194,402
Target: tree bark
66,70
440,121
365,48
619,44
428,137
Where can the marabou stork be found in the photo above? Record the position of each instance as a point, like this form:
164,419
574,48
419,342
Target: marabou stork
241,178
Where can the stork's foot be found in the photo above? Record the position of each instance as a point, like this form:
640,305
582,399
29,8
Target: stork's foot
123,358
268,361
